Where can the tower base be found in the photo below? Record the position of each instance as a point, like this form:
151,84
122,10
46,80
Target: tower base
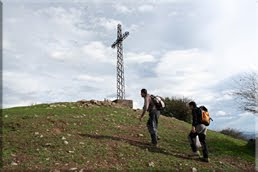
124,103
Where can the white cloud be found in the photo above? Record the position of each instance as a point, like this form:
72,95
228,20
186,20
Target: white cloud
107,23
172,14
224,96
140,8
122,8
12,20
190,61
134,28
242,123
245,114
58,55
99,52
23,82
65,53
90,78
231,36
206,97
221,113
139,58
226,118
187,71
7,45
63,20
146,8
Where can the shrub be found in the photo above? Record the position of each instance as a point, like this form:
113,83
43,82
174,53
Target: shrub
251,143
178,108
233,133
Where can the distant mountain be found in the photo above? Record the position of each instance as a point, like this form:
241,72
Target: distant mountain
249,135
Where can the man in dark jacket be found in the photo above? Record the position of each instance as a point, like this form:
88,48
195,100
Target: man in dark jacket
198,129
154,113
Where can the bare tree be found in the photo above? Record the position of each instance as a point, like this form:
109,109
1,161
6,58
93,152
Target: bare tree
246,92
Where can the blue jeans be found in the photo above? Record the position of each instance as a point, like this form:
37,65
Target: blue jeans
152,125
202,138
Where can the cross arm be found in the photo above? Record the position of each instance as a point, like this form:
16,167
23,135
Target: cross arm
120,39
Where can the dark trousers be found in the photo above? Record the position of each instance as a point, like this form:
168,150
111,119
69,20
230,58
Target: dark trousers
202,138
152,125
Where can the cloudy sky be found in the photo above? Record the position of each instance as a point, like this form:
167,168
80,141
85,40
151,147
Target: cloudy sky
60,51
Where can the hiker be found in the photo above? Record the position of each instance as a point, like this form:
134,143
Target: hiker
154,113
198,129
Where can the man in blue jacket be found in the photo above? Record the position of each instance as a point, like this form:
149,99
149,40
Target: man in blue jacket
198,129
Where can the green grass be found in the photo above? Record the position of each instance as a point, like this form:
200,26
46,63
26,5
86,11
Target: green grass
108,138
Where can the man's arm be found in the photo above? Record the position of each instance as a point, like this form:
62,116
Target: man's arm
146,106
194,123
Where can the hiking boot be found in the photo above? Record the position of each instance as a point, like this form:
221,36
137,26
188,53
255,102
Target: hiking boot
205,159
195,154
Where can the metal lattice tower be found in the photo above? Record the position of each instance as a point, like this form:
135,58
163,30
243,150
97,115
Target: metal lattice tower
120,62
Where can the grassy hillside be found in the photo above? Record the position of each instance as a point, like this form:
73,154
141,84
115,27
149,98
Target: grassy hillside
67,136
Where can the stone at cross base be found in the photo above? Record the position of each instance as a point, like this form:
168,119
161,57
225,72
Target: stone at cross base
124,103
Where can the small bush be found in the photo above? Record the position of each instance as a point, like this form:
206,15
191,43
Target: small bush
251,143
178,108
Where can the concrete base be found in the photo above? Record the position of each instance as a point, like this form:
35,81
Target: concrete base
124,103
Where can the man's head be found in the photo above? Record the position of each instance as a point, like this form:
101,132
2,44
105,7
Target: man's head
192,105
204,108
144,92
